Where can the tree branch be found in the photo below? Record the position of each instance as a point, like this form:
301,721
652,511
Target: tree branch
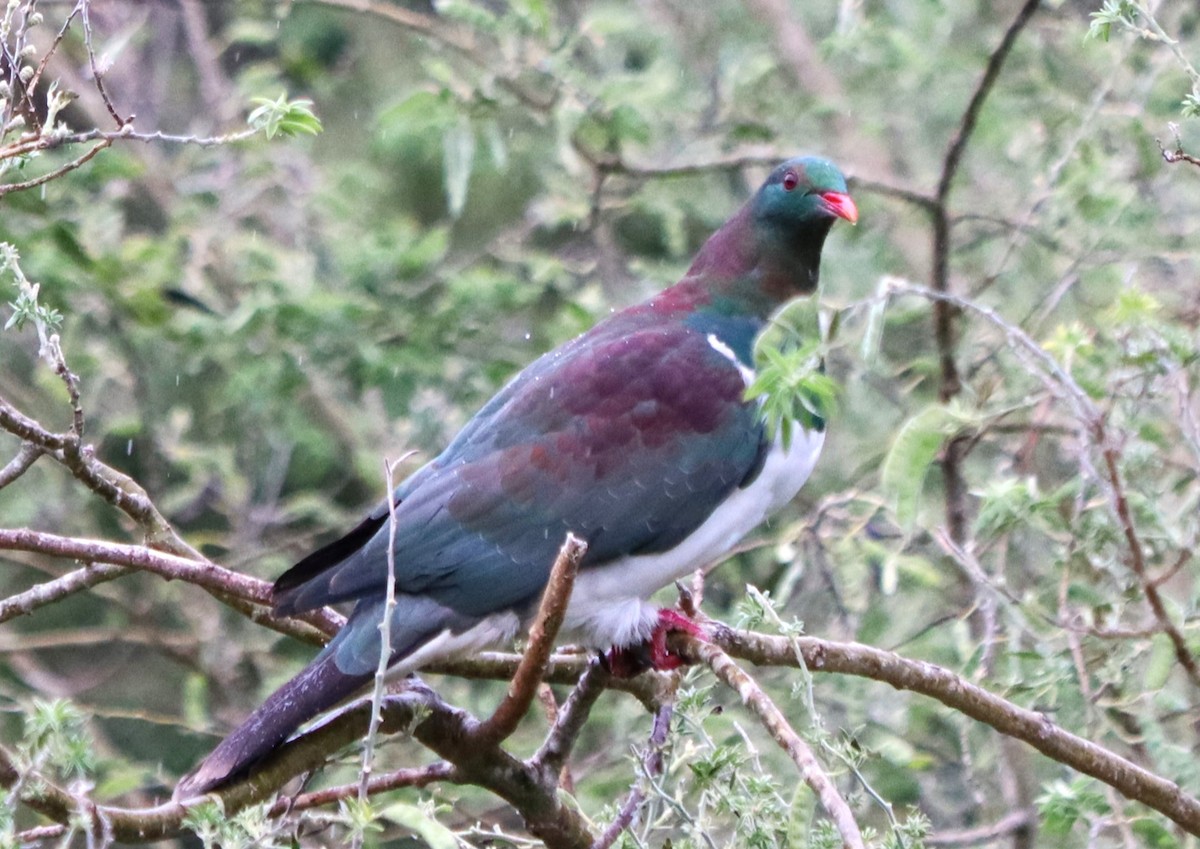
225,584
782,732
553,753
20,464
115,487
1036,729
536,657
652,765
943,312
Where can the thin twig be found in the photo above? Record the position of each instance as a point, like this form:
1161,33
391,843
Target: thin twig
943,312
45,60
115,487
126,133
411,777
652,765
96,73
385,637
8,188
781,731
20,464
467,43
1008,824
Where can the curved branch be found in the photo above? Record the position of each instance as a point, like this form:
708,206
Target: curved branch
1034,728
20,464
228,586
943,312
452,735
115,487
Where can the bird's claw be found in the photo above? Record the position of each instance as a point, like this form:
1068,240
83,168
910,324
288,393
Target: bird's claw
654,653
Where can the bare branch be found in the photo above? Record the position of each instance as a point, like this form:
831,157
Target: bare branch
1036,729
782,732
542,633
970,116
20,464
463,41
943,312
223,583
8,188
1009,824
115,487
385,635
572,715
413,777
23,604
652,765
97,74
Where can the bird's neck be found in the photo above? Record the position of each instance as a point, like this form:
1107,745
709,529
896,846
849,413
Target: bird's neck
742,271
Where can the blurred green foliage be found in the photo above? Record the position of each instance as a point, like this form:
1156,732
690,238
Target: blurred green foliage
258,325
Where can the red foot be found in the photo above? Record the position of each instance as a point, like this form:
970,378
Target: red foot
671,620
628,661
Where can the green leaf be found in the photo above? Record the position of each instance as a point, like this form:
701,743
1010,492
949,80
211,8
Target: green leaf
913,452
284,117
420,111
873,333
458,157
1160,663
412,817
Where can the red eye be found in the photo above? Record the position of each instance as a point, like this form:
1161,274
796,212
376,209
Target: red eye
790,181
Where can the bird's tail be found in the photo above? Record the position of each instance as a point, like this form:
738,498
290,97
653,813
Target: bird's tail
320,686
346,664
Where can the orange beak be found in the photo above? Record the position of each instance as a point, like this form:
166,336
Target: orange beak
841,205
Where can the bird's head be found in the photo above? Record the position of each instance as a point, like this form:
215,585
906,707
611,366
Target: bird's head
792,213
803,197
770,251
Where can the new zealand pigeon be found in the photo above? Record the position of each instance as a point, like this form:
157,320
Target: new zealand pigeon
635,436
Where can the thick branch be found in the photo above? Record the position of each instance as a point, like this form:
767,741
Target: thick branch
1036,729
553,607
571,717
489,767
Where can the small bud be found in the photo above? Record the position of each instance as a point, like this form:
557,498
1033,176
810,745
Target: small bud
28,51
26,73
35,19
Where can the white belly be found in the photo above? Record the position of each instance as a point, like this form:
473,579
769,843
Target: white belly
608,603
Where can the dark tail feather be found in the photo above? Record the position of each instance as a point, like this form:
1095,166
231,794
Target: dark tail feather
317,688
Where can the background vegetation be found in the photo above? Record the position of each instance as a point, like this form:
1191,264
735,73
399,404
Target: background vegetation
215,339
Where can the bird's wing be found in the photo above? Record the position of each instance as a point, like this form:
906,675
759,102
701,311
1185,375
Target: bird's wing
629,442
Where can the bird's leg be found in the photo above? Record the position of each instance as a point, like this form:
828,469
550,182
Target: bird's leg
628,661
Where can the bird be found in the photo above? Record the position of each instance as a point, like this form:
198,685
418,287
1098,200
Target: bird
636,436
